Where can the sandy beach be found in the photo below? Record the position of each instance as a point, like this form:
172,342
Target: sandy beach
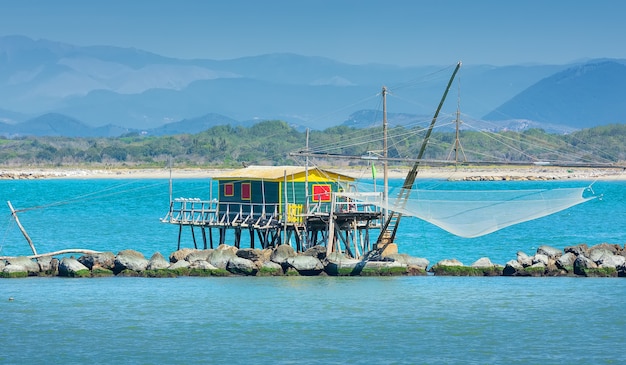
447,173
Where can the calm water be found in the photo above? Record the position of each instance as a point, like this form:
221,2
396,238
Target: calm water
300,320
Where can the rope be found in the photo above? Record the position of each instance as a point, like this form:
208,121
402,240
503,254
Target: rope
90,196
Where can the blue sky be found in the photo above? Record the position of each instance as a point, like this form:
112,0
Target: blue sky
402,32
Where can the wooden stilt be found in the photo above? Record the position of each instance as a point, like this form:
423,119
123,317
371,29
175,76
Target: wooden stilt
222,235
211,236
203,236
193,235
367,237
180,232
251,229
262,238
343,237
238,237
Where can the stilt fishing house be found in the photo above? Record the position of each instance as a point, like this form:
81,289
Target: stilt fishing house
277,205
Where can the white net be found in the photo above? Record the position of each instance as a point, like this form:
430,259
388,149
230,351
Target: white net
477,213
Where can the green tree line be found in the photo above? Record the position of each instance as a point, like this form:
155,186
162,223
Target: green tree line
273,143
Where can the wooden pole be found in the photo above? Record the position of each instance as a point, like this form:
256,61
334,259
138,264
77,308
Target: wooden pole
180,232
204,236
211,236
306,176
385,156
286,205
55,253
330,245
17,220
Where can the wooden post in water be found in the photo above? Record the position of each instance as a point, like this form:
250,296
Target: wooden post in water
286,205
17,220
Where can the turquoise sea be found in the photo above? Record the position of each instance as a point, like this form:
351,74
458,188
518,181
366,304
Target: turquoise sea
398,320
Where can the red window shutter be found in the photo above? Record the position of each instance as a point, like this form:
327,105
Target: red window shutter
321,193
229,189
246,191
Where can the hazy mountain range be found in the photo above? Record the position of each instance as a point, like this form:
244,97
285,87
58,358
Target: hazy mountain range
52,88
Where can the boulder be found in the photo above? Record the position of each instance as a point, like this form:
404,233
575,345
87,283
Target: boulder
614,249
269,268
549,251
339,265
15,270
612,261
282,253
566,261
202,265
198,255
318,252
45,264
389,249
541,258
102,260
240,266
454,267
582,264
512,268
524,259
598,254
482,262
448,262
224,247
54,266
305,265
2,264
383,268
70,267
536,269
32,267
410,260
553,270
252,254
180,254
220,258
180,264
578,250
157,262
130,260
48,265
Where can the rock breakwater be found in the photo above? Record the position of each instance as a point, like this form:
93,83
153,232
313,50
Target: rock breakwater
224,261
603,260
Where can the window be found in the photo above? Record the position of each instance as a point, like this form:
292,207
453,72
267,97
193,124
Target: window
229,189
321,193
246,191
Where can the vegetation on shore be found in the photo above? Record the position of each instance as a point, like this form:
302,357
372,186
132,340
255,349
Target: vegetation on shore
271,142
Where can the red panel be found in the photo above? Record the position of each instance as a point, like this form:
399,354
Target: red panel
246,191
229,189
321,193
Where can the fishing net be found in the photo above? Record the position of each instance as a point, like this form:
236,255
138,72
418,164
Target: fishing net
477,213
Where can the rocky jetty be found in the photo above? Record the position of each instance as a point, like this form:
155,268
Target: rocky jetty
223,261
20,175
603,260
507,178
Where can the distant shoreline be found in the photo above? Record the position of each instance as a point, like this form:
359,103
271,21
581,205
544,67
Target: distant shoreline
445,173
